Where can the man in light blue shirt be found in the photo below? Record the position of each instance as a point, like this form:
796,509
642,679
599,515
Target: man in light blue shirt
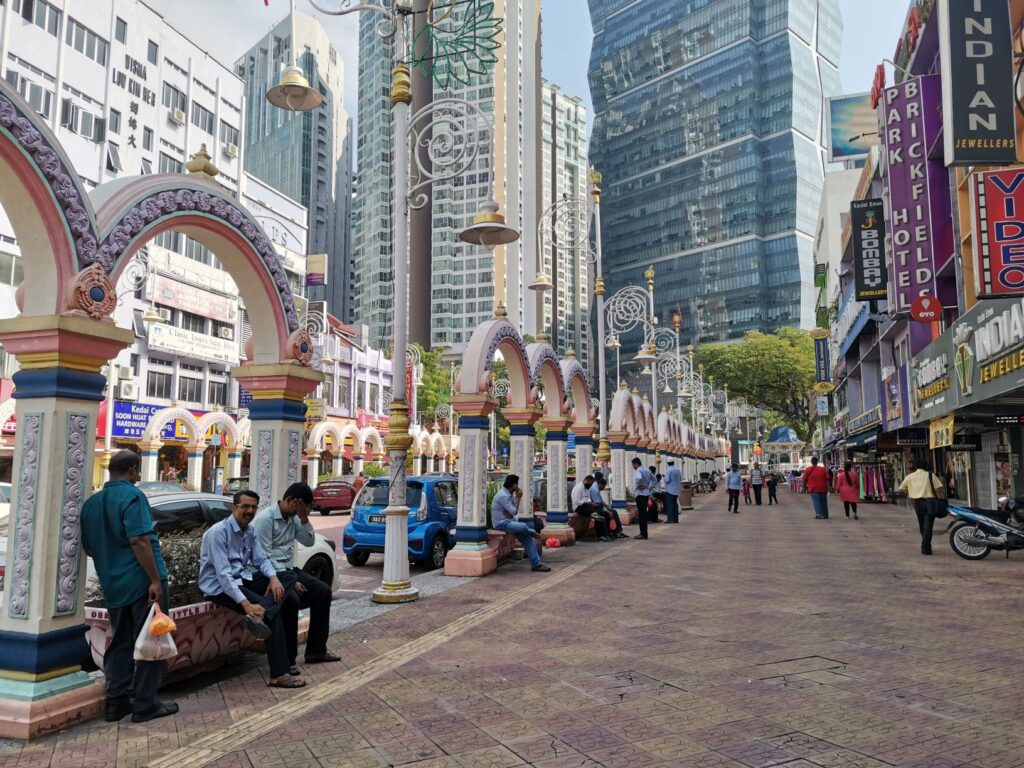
733,486
230,551
278,527
673,482
504,509
643,487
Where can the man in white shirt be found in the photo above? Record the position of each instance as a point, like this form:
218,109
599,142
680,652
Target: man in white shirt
584,507
643,487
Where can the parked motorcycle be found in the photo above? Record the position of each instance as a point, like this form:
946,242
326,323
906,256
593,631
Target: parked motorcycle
974,532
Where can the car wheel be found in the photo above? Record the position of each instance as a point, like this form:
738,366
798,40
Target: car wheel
436,554
320,567
357,558
324,511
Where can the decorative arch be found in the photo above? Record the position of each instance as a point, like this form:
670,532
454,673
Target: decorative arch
545,369
623,414
244,427
574,380
163,417
437,444
665,428
421,444
7,408
219,419
320,431
497,335
370,435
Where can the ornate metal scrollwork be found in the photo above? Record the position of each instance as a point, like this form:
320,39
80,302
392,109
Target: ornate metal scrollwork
453,133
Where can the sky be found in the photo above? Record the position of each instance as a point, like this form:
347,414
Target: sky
227,28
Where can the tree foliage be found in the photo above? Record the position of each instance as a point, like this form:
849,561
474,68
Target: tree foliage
772,371
434,390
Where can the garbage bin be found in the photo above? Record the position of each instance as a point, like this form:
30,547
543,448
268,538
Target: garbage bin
686,496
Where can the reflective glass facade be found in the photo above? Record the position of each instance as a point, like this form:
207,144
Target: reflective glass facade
708,131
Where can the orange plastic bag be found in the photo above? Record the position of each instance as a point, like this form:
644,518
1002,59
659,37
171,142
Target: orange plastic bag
161,624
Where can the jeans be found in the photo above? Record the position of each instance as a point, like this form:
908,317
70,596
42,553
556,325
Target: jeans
317,598
524,533
124,675
671,507
255,591
642,503
820,502
925,523
734,499
757,494
772,490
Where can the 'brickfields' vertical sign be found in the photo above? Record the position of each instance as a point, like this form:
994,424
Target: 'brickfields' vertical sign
870,278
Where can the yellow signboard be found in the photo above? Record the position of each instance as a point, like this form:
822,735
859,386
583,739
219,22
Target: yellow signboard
940,431
820,333
824,387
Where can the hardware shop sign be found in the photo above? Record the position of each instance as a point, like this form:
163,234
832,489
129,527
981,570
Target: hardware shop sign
997,204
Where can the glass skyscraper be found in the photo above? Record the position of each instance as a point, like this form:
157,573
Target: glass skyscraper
709,129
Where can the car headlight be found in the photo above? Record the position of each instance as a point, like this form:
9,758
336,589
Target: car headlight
421,515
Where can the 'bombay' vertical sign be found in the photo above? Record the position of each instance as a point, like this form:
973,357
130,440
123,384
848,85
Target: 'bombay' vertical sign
916,187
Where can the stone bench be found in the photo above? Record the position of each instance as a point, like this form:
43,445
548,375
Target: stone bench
503,544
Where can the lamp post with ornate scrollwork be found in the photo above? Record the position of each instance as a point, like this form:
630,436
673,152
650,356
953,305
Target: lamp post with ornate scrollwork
451,133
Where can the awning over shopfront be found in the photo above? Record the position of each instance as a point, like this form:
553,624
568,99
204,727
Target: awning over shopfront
862,442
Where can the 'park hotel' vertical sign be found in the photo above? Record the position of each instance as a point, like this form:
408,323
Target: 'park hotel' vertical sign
867,222
976,51
916,188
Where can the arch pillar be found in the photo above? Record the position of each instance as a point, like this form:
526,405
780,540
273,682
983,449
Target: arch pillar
471,555
632,452
357,464
336,463
234,462
42,632
557,522
150,460
194,479
312,468
619,463
584,451
522,430
278,416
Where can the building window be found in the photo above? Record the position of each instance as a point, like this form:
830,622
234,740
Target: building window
170,240
153,52
190,390
147,138
42,14
158,385
195,323
121,30
114,123
169,165
228,133
223,330
147,167
218,393
38,97
173,98
203,118
113,158
86,42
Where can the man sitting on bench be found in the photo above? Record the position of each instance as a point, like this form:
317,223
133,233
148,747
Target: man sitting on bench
585,508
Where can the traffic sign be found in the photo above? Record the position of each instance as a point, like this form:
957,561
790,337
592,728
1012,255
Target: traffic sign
926,309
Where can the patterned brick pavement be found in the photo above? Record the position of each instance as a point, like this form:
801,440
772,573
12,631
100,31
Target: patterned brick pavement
759,639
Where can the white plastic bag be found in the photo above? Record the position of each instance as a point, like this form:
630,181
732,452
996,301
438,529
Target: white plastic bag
149,648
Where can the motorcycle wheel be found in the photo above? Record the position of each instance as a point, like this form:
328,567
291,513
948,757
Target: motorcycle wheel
958,540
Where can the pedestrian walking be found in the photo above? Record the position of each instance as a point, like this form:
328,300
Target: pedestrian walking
816,484
673,483
772,481
921,485
756,482
733,486
504,511
848,486
643,487
746,490
117,533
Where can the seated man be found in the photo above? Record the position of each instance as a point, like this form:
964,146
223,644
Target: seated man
278,527
504,509
229,553
610,514
586,509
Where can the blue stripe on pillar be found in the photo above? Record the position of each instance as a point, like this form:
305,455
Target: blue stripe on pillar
557,437
618,446
35,654
277,409
521,430
59,382
474,422
471,534
558,517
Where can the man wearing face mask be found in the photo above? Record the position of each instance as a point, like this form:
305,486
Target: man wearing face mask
278,527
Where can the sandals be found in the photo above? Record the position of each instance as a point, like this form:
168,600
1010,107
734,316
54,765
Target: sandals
287,681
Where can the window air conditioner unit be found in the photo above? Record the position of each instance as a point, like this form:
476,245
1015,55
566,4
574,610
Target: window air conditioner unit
227,333
128,390
177,116
165,314
231,150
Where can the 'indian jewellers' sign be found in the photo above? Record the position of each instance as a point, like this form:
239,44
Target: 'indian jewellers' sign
997,200
976,51
916,187
867,220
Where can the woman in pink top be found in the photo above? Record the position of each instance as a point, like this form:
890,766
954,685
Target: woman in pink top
848,485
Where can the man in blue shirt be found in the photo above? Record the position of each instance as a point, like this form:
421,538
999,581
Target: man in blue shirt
597,496
643,487
733,486
504,509
278,527
673,482
230,551
117,533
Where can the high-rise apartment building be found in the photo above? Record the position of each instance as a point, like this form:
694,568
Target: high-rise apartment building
303,154
709,134
564,142
466,281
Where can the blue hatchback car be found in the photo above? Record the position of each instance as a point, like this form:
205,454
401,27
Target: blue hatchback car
433,506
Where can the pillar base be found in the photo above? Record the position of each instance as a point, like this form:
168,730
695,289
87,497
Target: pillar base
30,710
397,592
566,536
470,562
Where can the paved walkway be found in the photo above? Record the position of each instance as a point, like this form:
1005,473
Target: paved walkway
764,638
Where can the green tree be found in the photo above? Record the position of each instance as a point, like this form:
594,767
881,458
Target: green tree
772,371
434,388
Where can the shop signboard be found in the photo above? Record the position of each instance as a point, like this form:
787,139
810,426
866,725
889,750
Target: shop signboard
316,269
131,419
917,186
940,431
976,53
932,392
822,406
188,298
893,402
912,438
194,345
822,366
852,127
869,418
997,205
870,277
965,443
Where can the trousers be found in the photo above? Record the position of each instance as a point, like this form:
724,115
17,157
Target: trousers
317,598
255,591
524,533
734,499
757,494
642,503
820,502
123,674
672,507
925,523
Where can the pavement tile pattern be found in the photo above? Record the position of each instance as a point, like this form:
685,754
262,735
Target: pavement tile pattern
761,639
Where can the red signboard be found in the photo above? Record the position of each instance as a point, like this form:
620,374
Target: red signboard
926,309
997,202
877,86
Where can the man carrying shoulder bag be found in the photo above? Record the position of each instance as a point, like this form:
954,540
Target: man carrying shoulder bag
927,492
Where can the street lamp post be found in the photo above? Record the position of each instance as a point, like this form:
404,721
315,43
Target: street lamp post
451,132
604,453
